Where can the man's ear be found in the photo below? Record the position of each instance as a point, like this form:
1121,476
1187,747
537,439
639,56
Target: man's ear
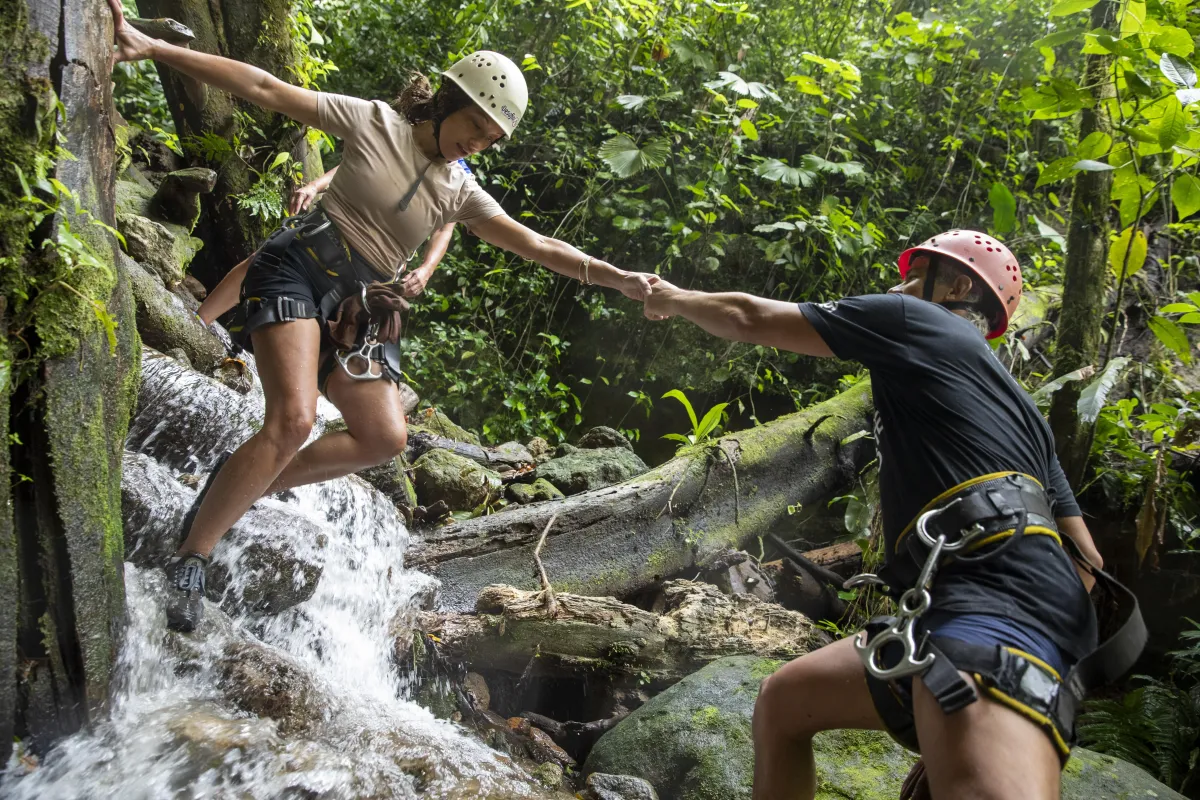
961,288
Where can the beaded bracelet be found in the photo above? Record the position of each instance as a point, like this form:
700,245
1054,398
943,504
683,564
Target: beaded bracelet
583,268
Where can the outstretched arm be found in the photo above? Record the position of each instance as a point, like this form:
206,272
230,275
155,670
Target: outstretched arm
504,231
249,83
738,317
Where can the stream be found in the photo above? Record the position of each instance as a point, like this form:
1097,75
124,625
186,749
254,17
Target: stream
172,731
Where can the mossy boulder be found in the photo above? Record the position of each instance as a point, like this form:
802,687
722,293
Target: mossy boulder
162,248
585,470
617,787
434,421
603,436
460,482
541,489
693,742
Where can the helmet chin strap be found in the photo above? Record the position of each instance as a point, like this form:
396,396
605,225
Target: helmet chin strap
437,138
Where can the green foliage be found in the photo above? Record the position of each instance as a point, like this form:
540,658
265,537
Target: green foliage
703,429
1157,725
788,151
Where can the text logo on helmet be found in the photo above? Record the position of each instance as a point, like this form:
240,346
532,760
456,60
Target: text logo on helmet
508,112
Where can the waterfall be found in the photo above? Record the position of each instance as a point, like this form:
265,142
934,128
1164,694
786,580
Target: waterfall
174,731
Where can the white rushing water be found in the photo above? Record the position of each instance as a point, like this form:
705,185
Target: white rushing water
172,732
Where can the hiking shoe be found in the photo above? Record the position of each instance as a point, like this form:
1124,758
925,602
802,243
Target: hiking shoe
185,591
190,517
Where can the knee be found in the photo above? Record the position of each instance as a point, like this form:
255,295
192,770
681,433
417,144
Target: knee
290,428
775,709
387,442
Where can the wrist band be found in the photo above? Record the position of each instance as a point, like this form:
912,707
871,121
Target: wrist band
583,269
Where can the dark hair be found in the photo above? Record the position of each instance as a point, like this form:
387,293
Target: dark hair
419,103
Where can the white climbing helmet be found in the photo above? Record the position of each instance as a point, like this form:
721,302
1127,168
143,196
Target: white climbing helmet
496,85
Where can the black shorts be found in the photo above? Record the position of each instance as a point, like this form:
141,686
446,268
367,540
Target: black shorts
302,275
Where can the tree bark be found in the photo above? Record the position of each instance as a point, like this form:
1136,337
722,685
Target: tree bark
601,636
1086,272
68,387
626,538
257,32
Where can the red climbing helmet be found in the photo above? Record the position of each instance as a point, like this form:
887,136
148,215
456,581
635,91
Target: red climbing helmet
985,258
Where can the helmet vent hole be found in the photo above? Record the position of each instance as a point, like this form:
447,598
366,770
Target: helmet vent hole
481,94
494,77
1014,277
460,74
989,249
971,260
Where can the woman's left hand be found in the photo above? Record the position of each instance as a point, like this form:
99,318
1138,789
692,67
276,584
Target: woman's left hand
636,285
414,282
132,44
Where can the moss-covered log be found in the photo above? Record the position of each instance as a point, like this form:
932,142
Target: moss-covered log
625,538
1086,273
70,364
257,32
600,636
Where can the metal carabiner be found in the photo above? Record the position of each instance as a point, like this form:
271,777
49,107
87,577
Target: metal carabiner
363,352
966,535
913,603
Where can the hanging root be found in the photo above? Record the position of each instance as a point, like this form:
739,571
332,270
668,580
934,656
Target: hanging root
737,500
547,590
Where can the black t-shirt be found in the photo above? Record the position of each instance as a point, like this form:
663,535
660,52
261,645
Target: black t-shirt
947,411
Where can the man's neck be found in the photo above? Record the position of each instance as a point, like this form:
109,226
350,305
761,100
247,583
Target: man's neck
426,143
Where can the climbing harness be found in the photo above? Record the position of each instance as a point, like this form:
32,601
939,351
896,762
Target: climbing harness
956,526
353,313
913,603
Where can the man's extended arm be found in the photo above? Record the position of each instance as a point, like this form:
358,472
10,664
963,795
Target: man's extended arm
739,317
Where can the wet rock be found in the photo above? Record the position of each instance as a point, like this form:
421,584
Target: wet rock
549,775
565,449
194,287
512,453
538,744
162,251
236,374
617,787
476,686
438,423
603,436
585,470
262,681
179,355
165,323
540,449
391,478
178,197
440,475
541,489
259,565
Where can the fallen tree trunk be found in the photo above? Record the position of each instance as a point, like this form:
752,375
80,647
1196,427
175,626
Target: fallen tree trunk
625,538
602,637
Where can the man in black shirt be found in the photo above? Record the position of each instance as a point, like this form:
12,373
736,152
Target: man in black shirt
948,417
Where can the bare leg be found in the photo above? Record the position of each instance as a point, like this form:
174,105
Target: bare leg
986,751
374,415
287,362
225,295
824,690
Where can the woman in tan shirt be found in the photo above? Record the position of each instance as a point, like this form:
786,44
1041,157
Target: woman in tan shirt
397,183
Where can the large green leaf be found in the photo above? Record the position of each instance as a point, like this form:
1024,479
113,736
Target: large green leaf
710,420
1186,196
739,85
1173,337
1044,393
631,102
775,170
748,130
1096,145
627,159
1061,169
1004,208
1124,257
1058,37
1133,21
1172,127
1175,41
1064,7
1177,70
687,404
1095,396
